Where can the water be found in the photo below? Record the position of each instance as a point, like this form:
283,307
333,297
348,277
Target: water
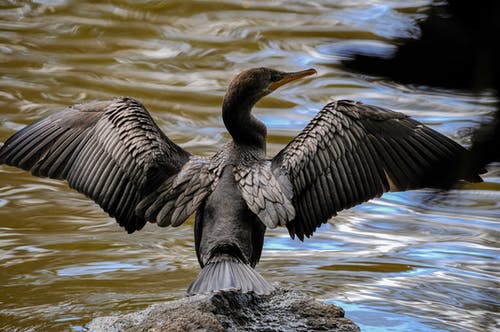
414,261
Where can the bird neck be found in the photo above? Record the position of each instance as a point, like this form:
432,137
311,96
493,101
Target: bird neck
244,128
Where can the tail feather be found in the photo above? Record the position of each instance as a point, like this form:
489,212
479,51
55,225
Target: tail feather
228,273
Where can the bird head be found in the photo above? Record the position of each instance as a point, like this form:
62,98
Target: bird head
251,85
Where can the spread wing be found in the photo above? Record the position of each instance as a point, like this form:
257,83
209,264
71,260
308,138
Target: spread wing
352,152
112,151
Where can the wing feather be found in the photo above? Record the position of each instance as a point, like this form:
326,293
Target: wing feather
264,194
112,151
352,152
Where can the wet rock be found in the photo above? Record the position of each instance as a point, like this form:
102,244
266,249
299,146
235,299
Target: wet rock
284,310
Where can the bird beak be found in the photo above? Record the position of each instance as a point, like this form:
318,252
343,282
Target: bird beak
289,77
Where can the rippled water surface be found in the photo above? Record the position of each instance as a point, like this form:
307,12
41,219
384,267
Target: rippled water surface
414,261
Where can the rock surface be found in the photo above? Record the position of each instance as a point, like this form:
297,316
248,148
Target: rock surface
284,310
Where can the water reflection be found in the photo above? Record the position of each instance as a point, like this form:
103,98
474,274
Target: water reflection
95,268
408,261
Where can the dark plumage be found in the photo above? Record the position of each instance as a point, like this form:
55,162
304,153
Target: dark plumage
349,153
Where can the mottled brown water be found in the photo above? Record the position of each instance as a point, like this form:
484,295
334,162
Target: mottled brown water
406,262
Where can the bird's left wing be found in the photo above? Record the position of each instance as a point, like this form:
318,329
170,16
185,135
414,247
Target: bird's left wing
352,152
111,151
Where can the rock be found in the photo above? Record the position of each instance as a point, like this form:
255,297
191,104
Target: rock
284,310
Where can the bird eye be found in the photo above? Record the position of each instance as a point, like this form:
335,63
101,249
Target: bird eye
275,77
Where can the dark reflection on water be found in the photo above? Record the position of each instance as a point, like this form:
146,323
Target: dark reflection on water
405,262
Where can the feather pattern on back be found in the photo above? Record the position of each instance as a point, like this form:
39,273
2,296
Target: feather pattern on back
263,194
180,195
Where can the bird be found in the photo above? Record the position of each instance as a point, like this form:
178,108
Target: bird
350,152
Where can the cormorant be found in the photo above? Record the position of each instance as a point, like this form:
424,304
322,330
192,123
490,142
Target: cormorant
350,152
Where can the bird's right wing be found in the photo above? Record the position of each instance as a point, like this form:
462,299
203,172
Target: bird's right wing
351,152
112,151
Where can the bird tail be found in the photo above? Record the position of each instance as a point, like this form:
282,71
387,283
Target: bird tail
228,273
